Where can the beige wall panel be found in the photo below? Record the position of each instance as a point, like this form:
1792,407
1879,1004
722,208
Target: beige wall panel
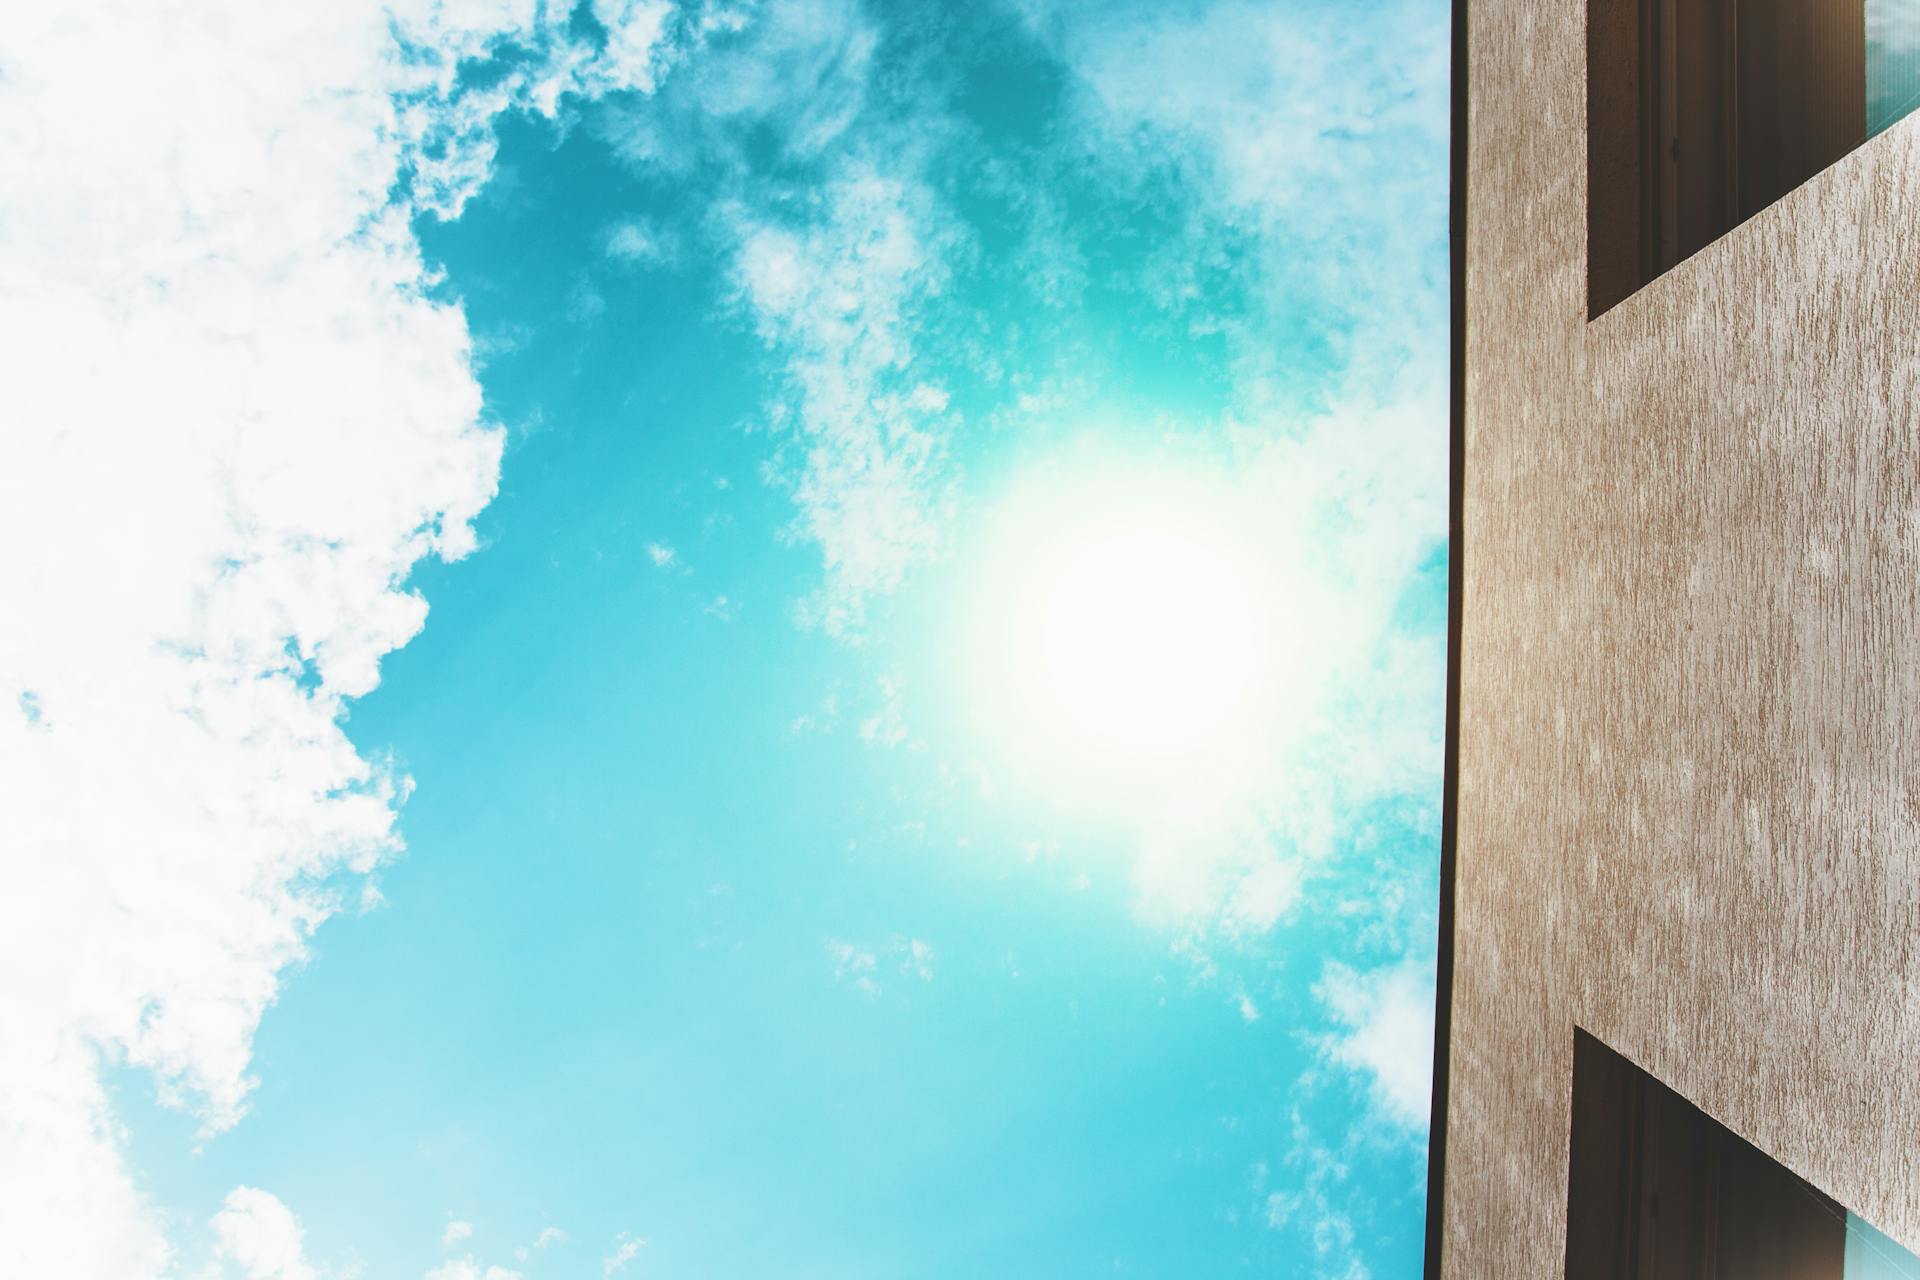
1689,812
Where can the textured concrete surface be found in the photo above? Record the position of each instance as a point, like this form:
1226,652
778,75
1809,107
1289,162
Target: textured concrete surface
1690,733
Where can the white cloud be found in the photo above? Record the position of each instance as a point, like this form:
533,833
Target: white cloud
259,1237
1313,1207
661,554
916,959
837,295
822,720
1387,1016
636,42
235,421
1893,27
859,966
1317,133
625,1251
638,242
794,73
468,1269
585,304
547,1236
854,965
1209,868
887,726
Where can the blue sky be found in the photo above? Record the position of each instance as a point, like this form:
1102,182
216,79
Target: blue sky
712,882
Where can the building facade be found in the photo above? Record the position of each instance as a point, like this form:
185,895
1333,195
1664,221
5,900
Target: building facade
1687,794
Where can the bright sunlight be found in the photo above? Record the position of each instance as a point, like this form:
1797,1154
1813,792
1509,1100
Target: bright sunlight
1124,630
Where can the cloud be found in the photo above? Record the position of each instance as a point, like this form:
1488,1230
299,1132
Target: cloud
1208,869
468,1269
916,959
830,264
626,1250
237,418
448,122
456,1232
835,256
260,1238
854,965
547,1236
585,304
1387,1021
837,293
859,966
641,243
822,720
1893,28
1316,135
887,726
794,75
1313,1207
661,554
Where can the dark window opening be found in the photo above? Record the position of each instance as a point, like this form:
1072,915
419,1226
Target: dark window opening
1701,113
1659,1190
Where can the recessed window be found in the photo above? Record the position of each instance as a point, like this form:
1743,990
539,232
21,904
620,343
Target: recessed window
1659,1190
1701,113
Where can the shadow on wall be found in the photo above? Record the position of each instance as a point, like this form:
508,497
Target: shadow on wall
1659,1190
1701,113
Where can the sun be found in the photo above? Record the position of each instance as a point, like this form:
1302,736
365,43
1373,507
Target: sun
1123,629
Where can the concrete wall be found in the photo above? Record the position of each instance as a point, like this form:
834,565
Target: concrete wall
1689,806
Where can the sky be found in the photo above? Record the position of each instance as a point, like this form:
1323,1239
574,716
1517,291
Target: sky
720,640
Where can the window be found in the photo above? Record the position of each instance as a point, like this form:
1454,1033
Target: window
1701,113
1659,1190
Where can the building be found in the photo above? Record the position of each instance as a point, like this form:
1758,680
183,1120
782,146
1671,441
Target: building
1683,1029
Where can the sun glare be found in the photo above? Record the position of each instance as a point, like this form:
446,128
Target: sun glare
1124,630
